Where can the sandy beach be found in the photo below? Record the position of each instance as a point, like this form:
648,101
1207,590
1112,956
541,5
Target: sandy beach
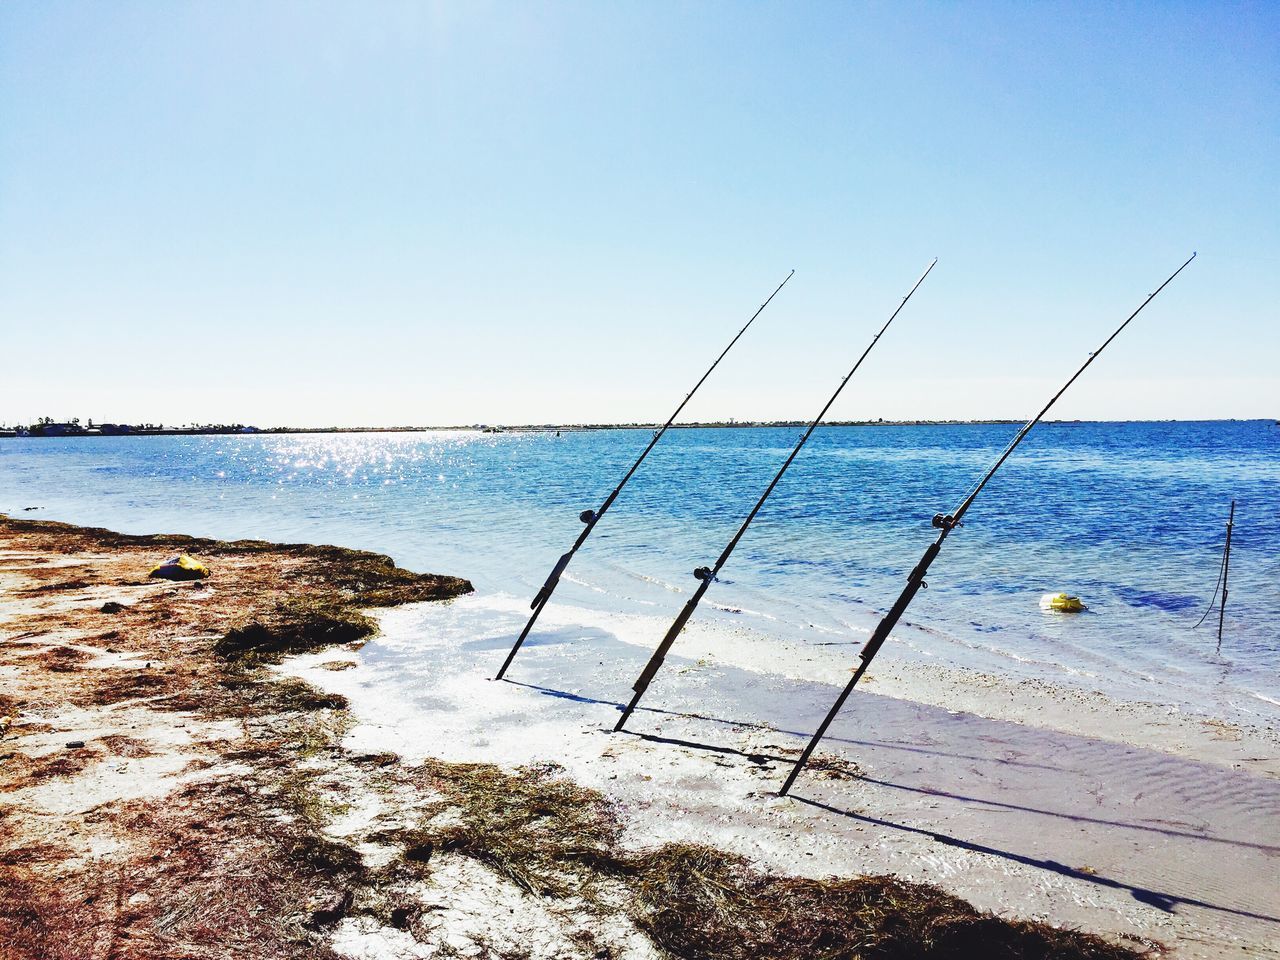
1110,818
237,797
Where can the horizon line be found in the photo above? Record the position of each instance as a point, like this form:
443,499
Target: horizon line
235,429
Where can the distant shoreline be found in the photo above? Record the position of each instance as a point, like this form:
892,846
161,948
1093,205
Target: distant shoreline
584,427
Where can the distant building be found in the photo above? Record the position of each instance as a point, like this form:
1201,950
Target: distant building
57,430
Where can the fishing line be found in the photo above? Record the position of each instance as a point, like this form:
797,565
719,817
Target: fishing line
1213,603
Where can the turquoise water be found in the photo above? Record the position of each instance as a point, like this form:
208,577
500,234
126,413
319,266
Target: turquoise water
1130,516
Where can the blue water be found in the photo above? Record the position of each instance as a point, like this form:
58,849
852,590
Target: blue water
1130,516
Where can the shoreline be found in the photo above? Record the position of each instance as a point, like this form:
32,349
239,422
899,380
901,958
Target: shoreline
904,673
383,778
6,433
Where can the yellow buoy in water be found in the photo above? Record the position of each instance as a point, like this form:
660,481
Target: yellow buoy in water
1062,603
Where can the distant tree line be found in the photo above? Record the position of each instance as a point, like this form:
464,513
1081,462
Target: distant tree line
49,427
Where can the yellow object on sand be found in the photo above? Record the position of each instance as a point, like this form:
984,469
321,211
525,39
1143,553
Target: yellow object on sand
181,567
1062,602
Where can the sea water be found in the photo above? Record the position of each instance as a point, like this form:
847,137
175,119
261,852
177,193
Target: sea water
1129,516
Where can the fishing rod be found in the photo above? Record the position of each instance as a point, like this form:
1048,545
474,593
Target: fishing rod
945,524
707,575
591,517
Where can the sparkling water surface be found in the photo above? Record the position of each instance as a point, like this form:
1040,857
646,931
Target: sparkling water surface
1130,516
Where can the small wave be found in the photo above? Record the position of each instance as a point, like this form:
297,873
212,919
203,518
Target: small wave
745,610
583,583
646,578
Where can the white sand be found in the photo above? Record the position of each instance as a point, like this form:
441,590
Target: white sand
1129,820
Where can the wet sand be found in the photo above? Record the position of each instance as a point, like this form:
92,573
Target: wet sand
1034,819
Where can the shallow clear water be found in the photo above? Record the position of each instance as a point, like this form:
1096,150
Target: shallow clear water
1130,516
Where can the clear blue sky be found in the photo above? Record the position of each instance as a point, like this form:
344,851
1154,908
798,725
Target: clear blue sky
384,213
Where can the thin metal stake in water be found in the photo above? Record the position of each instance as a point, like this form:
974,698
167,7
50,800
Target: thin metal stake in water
945,524
1221,582
1226,568
707,575
592,517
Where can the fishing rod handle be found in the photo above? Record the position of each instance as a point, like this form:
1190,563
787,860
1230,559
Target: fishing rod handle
915,582
660,654
816,739
552,579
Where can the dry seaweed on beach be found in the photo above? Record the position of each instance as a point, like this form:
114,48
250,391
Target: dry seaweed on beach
555,838
700,902
181,826
295,626
544,832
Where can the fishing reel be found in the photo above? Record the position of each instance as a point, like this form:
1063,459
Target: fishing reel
586,516
703,573
945,521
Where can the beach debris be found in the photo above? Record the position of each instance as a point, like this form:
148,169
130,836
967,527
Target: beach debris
420,853
328,906
557,839
1062,603
295,626
74,744
591,517
707,575
381,758
181,567
945,523
62,659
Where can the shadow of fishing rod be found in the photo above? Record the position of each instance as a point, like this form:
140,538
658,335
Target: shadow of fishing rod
788,755
1167,902
769,728
830,765
1075,817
